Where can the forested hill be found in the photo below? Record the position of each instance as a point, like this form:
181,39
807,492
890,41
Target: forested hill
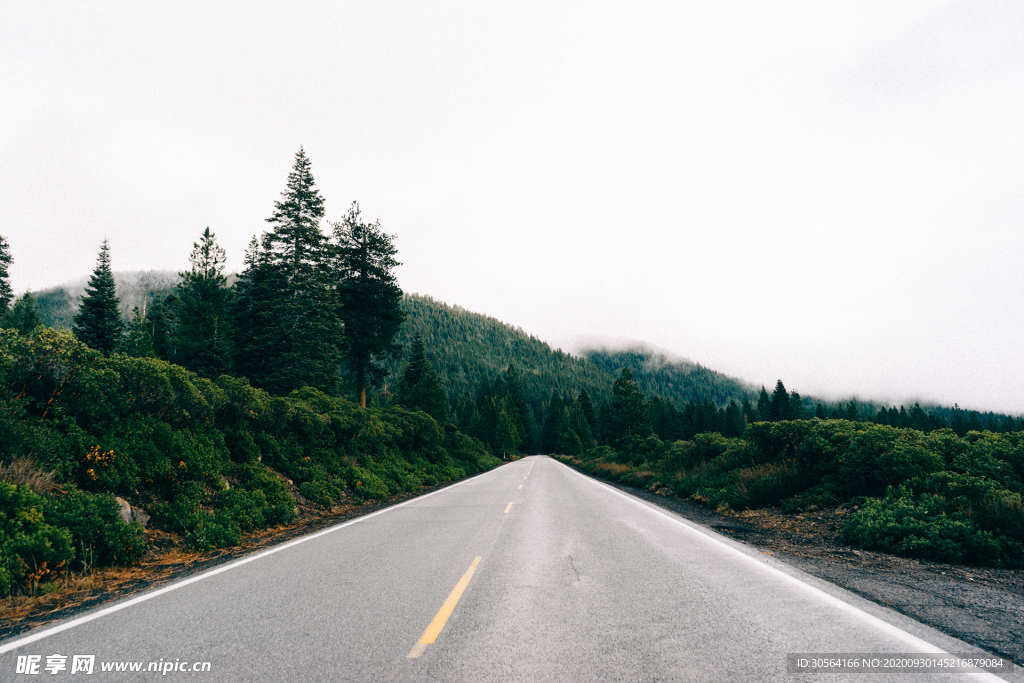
676,380
58,305
466,347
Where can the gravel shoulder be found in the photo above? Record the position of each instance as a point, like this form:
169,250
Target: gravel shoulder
981,606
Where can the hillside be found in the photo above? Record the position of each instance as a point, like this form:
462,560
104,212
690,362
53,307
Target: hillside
676,380
466,347
58,305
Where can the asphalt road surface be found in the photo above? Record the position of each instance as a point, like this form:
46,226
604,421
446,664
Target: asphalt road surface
530,572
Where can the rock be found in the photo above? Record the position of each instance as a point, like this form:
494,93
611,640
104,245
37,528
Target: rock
126,510
130,514
140,516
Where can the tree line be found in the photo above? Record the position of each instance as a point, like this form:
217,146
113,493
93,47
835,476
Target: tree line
308,310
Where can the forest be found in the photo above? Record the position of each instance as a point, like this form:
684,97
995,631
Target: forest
209,404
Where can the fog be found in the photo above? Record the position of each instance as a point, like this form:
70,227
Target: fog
826,193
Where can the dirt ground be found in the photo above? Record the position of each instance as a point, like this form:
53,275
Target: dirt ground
984,607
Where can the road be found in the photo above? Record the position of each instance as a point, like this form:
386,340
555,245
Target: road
530,572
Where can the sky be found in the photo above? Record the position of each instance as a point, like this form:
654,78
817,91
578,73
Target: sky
824,193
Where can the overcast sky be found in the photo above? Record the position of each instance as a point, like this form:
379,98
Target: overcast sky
828,193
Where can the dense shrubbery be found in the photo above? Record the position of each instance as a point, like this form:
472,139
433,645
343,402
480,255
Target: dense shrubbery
209,459
935,496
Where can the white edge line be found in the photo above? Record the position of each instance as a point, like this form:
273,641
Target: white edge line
910,639
13,645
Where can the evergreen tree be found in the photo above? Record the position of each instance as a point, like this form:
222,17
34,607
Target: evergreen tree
160,324
819,412
23,317
749,415
733,420
580,426
201,337
285,327
780,409
368,296
467,417
587,407
764,406
98,323
796,406
520,411
507,438
421,389
556,421
6,293
138,342
627,416
253,312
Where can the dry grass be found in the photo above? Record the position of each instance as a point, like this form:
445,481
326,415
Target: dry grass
612,468
24,472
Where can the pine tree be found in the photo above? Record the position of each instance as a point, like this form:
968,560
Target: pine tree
252,312
285,326
555,422
6,293
587,406
201,337
507,438
780,409
368,296
98,323
160,325
24,317
764,406
421,389
520,412
137,342
627,416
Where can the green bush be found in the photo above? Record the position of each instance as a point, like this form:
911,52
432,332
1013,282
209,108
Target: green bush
321,492
214,531
247,509
31,549
95,523
919,526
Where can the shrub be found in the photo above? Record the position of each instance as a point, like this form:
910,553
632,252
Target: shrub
30,548
919,526
321,492
247,509
215,531
94,521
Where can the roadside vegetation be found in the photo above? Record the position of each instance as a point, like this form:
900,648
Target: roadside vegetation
209,412
935,496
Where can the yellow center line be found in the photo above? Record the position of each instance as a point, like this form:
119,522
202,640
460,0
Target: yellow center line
441,618
520,486
508,507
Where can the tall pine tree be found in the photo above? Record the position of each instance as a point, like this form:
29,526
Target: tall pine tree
6,293
98,323
627,415
368,296
201,341
421,388
287,327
